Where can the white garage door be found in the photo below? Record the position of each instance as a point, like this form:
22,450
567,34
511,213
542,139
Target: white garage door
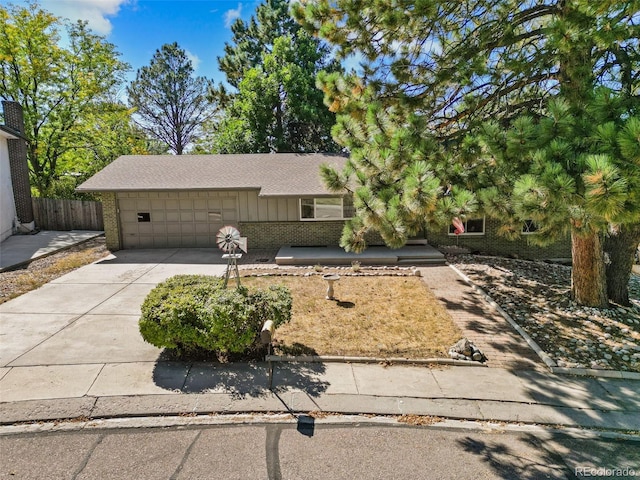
174,219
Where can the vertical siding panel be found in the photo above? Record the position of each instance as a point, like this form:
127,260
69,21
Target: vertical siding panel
263,209
282,210
272,209
292,210
243,206
253,213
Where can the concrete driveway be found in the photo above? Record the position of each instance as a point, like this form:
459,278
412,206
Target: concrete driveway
89,317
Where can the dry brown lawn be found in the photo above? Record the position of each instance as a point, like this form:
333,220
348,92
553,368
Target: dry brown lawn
373,316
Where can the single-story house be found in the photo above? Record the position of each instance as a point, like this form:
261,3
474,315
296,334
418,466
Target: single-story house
155,201
182,201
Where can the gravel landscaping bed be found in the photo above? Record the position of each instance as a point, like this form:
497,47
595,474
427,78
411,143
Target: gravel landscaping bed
536,295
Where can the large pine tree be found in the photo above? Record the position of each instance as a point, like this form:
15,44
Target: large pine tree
171,104
441,69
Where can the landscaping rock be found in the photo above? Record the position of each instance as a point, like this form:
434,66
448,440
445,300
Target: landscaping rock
466,350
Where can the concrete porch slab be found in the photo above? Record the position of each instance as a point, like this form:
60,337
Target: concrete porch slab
407,255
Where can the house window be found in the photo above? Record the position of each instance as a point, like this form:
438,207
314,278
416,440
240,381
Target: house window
326,208
473,226
529,227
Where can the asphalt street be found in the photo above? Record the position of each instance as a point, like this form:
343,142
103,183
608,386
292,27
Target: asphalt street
308,449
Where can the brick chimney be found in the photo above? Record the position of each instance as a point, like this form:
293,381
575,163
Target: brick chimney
14,120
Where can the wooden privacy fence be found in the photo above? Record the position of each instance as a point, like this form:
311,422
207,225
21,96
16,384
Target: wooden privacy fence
60,214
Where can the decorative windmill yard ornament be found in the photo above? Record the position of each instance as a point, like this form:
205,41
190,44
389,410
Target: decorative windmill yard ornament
229,241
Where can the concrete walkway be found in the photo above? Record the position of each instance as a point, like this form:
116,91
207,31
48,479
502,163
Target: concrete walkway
21,249
72,349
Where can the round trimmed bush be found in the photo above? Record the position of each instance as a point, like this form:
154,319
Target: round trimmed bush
195,312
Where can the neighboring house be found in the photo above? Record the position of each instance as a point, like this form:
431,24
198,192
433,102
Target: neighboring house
16,210
154,201
7,203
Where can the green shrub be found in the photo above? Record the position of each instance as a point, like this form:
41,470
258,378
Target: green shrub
195,312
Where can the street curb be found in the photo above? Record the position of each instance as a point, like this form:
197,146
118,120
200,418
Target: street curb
549,362
225,405
332,419
391,360
593,372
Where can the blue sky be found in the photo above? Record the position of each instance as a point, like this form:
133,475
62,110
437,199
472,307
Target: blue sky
139,27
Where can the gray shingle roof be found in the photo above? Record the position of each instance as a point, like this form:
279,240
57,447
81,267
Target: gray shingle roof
281,174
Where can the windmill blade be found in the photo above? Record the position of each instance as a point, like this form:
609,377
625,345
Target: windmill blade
228,239
243,244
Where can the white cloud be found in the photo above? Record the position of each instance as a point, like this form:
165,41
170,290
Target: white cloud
95,12
195,60
231,15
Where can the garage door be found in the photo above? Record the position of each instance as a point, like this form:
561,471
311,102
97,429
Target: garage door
174,219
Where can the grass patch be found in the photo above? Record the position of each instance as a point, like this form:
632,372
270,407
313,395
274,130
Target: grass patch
377,316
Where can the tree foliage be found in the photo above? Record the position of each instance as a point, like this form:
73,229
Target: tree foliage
570,174
250,41
170,103
462,63
57,86
99,138
276,107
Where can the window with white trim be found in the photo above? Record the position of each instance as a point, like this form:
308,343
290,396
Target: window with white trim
472,226
326,208
529,227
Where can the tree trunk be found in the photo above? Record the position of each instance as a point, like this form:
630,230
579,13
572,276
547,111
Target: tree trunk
621,248
588,279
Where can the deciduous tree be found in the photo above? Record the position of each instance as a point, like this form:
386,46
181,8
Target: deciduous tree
56,85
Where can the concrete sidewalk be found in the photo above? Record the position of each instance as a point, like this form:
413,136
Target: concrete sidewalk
104,390
21,249
72,349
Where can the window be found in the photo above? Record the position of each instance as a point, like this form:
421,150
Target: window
326,208
529,227
473,226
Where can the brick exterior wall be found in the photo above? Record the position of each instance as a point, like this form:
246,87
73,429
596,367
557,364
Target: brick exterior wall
297,234
300,234
492,244
269,235
110,220
18,162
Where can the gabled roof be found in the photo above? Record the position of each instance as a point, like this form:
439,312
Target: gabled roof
279,174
